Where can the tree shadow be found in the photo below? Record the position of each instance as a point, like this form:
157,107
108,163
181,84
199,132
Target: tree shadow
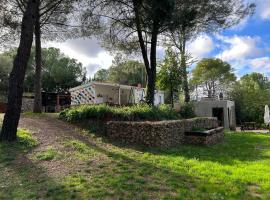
21,178
235,148
128,175
245,147
134,176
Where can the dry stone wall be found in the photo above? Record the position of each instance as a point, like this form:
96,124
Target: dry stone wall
157,134
210,137
27,105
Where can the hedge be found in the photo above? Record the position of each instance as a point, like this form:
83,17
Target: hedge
125,113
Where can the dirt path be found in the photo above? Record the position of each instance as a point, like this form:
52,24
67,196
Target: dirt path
51,133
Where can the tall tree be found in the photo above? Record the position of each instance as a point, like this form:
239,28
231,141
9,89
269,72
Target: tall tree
137,24
51,22
213,75
129,72
59,71
170,75
251,94
12,116
203,16
133,25
101,75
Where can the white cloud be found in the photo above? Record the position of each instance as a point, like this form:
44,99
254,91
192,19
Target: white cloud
261,64
239,47
93,57
201,47
263,9
246,66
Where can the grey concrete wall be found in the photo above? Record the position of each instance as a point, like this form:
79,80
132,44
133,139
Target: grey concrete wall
204,108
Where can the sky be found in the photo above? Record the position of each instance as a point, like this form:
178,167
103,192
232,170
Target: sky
246,46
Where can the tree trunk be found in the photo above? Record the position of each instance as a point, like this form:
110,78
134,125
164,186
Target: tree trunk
183,63
152,73
16,79
150,92
38,59
185,73
150,66
185,83
171,94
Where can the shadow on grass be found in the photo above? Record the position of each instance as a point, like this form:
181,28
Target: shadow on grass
125,177
236,147
127,174
21,178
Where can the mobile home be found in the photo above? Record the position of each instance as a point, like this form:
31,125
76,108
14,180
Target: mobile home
115,94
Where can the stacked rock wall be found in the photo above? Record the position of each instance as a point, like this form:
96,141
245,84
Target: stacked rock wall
27,105
157,134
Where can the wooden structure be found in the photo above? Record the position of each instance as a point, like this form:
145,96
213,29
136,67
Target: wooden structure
55,102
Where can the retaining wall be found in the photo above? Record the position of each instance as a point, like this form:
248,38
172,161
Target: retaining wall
157,134
27,105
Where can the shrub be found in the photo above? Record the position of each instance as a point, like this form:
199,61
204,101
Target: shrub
125,113
47,155
187,111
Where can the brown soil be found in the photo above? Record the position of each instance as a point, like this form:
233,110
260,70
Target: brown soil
50,133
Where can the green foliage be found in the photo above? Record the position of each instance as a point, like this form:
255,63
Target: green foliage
26,139
127,72
59,71
187,110
5,68
47,155
251,93
104,112
170,75
213,75
25,142
101,75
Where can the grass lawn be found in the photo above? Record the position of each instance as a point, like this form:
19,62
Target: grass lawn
237,169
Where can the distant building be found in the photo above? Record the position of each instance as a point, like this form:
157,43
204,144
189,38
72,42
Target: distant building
55,101
224,110
115,94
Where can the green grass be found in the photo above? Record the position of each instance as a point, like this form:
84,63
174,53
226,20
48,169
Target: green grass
47,155
39,115
235,169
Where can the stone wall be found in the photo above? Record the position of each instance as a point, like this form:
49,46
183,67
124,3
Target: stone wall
210,137
27,105
156,134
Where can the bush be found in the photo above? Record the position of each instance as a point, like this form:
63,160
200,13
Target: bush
187,111
125,113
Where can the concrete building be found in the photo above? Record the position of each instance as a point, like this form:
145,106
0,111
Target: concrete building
224,110
115,94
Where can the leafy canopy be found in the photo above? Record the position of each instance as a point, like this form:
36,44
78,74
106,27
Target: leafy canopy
59,71
251,93
213,74
128,72
169,77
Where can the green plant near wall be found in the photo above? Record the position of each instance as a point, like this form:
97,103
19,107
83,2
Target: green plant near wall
125,113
